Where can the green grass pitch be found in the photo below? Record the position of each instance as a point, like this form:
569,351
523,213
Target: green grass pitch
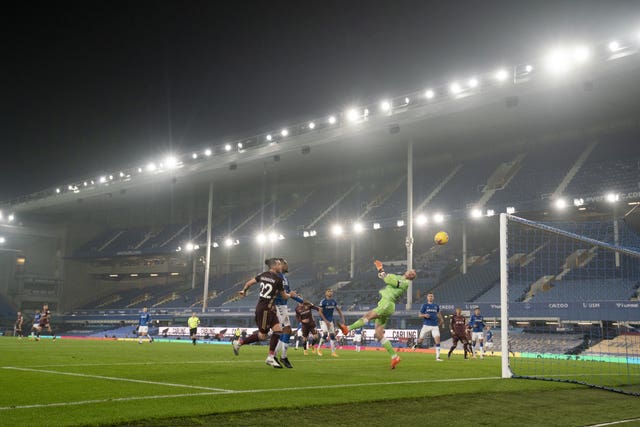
82,382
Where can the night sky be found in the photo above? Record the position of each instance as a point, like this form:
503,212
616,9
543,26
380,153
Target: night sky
90,87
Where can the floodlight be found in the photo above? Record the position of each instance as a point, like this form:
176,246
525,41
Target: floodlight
227,147
400,223
312,125
376,226
194,156
581,53
332,120
261,238
491,212
240,145
2,239
365,113
578,202
11,217
614,46
337,230
556,62
385,106
171,162
273,237
455,88
305,234
421,219
215,244
269,137
501,75
207,152
561,203
102,179
139,170
352,114
358,228
476,213
228,242
57,191
150,167
188,247
511,210
407,100
110,177
438,218
429,94
280,237
612,197
313,233
473,82
70,187
121,174
528,68
284,132
92,182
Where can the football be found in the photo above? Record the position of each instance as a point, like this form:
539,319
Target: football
441,238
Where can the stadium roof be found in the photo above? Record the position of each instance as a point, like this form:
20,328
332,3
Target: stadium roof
597,96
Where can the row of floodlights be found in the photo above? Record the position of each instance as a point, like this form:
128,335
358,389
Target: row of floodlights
558,61
562,203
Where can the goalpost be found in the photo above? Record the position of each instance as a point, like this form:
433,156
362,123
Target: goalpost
569,302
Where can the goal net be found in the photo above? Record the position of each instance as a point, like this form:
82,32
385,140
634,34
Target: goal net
569,302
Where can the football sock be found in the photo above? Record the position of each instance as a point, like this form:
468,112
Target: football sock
437,351
250,339
273,343
357,324
284,341
333,346
387,345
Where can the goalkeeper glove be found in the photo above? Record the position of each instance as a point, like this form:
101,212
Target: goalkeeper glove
378,265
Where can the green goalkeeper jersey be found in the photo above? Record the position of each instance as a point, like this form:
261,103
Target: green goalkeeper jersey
395,287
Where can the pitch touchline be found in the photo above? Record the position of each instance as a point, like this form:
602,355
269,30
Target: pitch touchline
266,390
101,377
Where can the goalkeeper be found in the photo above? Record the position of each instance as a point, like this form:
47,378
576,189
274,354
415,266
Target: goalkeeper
395,287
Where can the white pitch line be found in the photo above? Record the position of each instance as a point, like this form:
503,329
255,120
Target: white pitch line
186,362
612,423
228,392
101,377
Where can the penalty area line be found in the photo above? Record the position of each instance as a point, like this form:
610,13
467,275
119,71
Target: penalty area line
613,423
231,392
101,377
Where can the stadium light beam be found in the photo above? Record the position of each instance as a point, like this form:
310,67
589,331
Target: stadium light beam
352,114
376,226
208,152
284,133
501,75
429,94
476,213
171,162
422,220
612,197
2,240
228,242
189,247
385,106
332,120
261,239
269,137
273,237
194,156
11,218
337,230
358,228
613,46
227,147
473,83
438,218
312,125
150,167
455,88
561,203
